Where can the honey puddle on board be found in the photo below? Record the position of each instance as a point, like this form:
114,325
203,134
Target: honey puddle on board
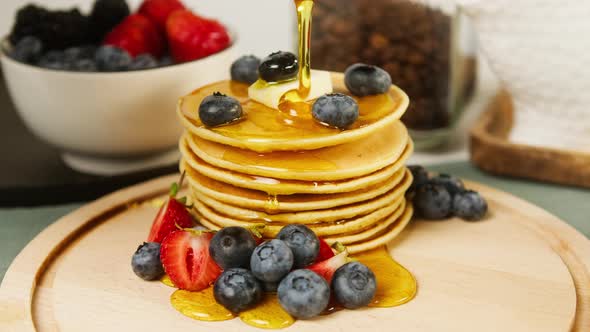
395,286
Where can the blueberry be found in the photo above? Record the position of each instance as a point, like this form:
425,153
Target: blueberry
271,261
364,80
245,69
73,54
303,242
433,201
27,50
143,61
354,285
279,66
146,261
453,184
166,61
420,177
469,205
237,290
304,294
53,60
85,65
110,58
232,247
336,110
219,109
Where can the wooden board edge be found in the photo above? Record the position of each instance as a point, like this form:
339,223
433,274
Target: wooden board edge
572,246
491,151
18,287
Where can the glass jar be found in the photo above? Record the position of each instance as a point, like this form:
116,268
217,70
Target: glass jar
424,46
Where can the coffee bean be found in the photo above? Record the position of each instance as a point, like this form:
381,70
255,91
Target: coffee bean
411,41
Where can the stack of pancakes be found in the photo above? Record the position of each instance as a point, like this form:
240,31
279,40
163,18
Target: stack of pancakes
349,186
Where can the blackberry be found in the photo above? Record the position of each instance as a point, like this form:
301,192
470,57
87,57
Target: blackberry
105,15
57,30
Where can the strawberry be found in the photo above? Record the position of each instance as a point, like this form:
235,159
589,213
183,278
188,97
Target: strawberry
159,10
172,214
137,35
192,37
326,251
185,257
327,267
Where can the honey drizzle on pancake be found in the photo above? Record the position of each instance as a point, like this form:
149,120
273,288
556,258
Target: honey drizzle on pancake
262,123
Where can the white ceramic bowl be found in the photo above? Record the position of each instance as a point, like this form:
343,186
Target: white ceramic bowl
109,122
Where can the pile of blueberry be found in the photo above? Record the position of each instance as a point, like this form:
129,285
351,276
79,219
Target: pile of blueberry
287,265
442,196
335,110
88,58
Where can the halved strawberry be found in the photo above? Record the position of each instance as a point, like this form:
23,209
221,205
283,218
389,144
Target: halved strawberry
192,37
327,268
137,35
326,251
185,257
159,10
172,214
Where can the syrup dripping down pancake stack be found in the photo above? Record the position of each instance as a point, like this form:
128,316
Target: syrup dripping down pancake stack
278,167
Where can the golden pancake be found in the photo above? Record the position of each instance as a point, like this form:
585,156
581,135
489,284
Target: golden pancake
386,236
261,201
287,187
369,233
264,129
215,220
377,228
306,217
345,161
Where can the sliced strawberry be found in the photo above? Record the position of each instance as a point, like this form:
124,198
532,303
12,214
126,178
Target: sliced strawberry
186,260
326,251
327,268
137,35
192,37
159,10
172,213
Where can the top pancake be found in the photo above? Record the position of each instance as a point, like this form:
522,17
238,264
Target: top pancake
265,129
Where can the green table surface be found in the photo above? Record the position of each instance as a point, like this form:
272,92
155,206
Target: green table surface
18,226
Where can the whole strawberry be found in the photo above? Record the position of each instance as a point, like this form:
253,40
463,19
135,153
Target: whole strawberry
137,35
159,10
192,37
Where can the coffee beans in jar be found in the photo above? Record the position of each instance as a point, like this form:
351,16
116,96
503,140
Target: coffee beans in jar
413,41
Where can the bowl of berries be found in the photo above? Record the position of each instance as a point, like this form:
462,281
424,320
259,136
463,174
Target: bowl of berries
102,87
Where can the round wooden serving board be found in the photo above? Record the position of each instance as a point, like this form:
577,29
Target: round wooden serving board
519,270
